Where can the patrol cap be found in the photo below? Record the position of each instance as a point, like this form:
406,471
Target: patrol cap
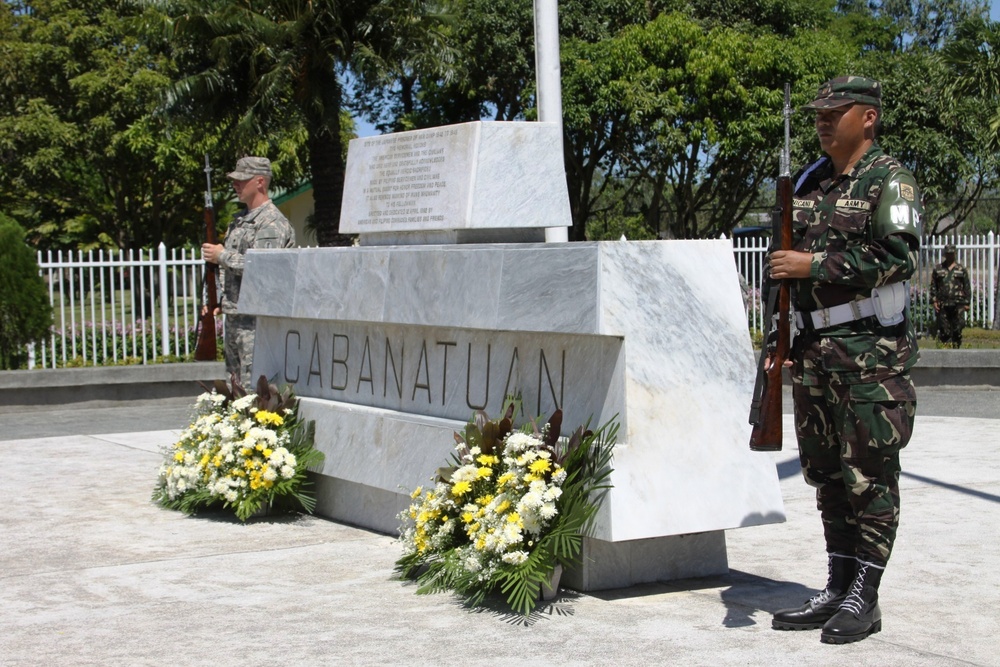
950,249
846,90
248,167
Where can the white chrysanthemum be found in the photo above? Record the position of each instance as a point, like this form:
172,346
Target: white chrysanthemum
532,524
464,474
511,533
232,495
243,403
552,493
548,510
471,563
514,557
270,474
287,472
559,476
519,442
290,459
530,500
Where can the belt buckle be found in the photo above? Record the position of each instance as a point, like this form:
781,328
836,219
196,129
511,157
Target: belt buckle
856,310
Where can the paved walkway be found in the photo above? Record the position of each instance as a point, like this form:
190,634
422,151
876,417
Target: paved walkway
92,573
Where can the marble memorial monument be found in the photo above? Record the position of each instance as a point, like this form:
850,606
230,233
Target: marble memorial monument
392,347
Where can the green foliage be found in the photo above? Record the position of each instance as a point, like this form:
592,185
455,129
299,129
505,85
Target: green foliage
88,160
690,115
25,313
104,344
614,224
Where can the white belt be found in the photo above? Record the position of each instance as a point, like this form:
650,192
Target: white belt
831,317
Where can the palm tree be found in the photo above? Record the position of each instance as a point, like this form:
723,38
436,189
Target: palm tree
277,66
974,54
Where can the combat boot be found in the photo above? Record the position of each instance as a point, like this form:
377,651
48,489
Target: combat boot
859,614
821,607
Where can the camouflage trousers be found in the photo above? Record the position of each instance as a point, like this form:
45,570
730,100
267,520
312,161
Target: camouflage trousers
950,322
239,347
849,442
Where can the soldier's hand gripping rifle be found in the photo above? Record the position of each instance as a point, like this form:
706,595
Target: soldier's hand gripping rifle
207,350
765,409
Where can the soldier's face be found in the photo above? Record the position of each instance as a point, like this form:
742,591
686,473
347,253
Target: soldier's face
245,190
842,130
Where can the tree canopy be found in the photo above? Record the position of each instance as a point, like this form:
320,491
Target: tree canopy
671,107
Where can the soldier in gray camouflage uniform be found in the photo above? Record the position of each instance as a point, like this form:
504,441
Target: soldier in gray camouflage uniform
950,294
855,241
262,225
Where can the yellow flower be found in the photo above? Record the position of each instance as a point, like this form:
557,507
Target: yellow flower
487,460
505,478
529,478
416,492
265,417
179,457
502,507
461,488
539,466
485,500
468,517
484,473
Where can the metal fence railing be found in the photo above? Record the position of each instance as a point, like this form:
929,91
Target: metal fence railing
979,253
141,305
113,306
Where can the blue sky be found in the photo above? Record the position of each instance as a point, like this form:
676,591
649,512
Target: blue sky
366,130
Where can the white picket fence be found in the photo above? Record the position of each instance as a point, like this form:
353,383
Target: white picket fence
143,305
118,305
980,253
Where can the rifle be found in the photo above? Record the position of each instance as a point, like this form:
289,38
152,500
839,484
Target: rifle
765,408
207,349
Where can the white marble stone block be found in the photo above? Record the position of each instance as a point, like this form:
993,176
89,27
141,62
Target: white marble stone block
472,182
392,349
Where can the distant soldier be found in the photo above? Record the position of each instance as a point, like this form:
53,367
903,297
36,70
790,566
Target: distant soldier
950,293
262,225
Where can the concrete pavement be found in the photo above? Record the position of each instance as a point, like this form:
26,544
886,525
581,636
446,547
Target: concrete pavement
92,573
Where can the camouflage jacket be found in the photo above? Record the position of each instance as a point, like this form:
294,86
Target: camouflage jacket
950,286
834,218
263,227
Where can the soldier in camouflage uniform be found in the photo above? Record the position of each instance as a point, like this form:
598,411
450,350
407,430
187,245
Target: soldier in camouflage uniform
856,231
262,225
950,294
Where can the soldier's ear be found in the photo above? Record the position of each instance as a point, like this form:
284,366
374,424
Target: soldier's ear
871,117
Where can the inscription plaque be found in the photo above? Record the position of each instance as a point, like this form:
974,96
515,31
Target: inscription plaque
471,176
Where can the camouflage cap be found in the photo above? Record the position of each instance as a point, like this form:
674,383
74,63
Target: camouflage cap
845,90
950,249
248,167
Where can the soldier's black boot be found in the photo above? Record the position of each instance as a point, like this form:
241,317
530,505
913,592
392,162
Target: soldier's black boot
859,615
821,607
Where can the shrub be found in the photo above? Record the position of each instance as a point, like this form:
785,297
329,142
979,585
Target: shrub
25,313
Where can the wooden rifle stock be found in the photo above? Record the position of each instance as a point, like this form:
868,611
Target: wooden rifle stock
765,409
207,349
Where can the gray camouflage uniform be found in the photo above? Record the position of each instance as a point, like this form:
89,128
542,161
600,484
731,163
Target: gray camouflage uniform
263,227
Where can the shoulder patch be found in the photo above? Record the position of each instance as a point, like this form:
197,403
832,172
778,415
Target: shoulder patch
906,191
